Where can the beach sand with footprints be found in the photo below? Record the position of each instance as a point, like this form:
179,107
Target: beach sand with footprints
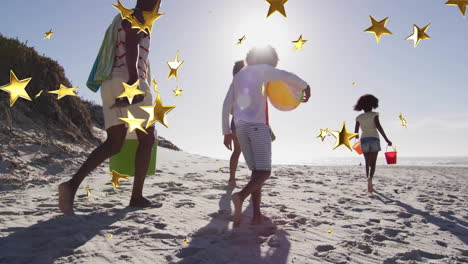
315,214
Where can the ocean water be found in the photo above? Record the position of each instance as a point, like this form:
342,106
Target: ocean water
401,161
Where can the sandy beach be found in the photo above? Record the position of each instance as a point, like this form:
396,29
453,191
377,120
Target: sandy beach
315,214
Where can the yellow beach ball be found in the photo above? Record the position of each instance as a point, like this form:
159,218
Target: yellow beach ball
284,96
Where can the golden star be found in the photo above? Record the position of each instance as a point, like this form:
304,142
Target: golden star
354,83
239,41
155,86
298,43
174,66
378,28
49,34
16,88
418,34
64,91
38,94
403,120
276,6
323,134
462,4
343,137
150,17
177,91
130,91
157,112
88,192
329,232
186,240
125,13
263,88
116,179
133,123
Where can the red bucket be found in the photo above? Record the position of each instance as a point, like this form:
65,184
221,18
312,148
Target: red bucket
391,157
357,147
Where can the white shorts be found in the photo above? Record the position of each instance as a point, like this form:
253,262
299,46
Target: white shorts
110,89
255,142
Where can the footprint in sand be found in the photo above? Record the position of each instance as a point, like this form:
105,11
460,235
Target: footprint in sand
185,204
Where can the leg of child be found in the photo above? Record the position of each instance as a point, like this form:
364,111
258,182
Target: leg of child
367,160
112,146
373,161
142,159
255,184
234,161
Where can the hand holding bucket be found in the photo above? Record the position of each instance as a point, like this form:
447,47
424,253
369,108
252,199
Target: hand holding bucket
357,147
391,156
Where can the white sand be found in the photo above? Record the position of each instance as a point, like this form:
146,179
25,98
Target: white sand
420,217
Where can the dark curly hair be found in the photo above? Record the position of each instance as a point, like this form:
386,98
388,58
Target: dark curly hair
237,67
367,102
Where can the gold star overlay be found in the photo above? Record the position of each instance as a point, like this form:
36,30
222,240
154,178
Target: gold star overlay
378,28
116,177
157,112
133,123
16,88
299,43
64,91
49,34
276,6
462,4
130,91
174,66
343,137
418,34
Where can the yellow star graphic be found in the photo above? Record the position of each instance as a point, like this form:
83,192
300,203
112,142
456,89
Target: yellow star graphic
378,28
174,66
186,240
276,6
329,232
16,88
239,41
130,91
155,86
150,17
88,192
298,43
133,123
177,91
49,34
157,112
403,120
418,34
323,134
343,137
116,179
354,83
125,13
462,4
263,88
64,91
38,94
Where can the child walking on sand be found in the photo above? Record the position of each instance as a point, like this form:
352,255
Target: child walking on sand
370,128
247,100
130,64
234,161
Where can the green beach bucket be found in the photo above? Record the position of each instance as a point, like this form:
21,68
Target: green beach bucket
124,161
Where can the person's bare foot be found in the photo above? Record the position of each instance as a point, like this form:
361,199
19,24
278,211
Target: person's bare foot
232,182
237,201
139,202
66,197
256,220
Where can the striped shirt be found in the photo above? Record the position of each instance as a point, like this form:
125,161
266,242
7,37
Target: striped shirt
120,68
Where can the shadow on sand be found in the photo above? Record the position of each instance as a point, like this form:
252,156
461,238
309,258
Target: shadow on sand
49,240
217,243
457,227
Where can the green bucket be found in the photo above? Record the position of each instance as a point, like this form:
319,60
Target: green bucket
124,161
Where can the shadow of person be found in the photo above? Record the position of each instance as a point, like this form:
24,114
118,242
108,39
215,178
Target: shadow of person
216,243
49,240
457,227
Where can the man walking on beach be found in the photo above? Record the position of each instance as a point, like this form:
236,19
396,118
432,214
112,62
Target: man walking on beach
123,57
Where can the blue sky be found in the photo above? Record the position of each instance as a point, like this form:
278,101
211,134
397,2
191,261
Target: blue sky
427,84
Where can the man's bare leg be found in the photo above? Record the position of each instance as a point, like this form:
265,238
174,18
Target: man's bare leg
112,146
256,201
255,183
142,159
